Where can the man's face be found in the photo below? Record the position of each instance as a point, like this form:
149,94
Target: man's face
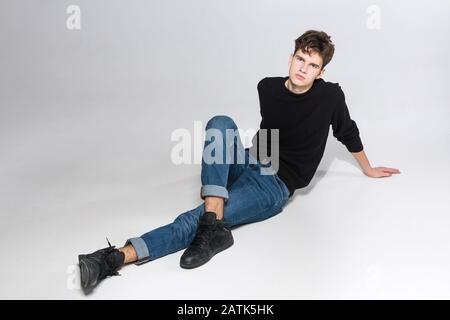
308,67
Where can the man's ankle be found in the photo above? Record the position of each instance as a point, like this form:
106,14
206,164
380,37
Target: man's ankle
216,205
219,213
130,254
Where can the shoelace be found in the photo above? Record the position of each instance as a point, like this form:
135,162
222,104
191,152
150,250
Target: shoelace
203,235
110,271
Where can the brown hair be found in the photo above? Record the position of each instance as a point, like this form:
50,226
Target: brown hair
316,41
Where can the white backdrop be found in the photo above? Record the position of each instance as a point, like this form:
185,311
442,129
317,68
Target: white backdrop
86,117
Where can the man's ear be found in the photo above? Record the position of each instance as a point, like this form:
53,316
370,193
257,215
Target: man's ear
290,59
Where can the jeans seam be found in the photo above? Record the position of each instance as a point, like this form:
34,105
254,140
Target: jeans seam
278,182
283,186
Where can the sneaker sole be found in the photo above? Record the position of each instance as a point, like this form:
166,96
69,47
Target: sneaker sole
192,266
85,273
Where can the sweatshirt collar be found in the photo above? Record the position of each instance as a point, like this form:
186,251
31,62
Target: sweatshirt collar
289,92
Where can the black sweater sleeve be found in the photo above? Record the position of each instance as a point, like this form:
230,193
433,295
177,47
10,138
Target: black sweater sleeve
259,88
345,129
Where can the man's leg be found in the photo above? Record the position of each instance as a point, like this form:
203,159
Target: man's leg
216,178
152,245
255,197
223,162
224,159
166,239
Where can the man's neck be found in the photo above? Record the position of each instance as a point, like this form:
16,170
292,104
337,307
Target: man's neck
296,89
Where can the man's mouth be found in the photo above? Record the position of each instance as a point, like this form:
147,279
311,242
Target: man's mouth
299,77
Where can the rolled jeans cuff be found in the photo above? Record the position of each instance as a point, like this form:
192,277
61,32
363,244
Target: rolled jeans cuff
215,191
141,249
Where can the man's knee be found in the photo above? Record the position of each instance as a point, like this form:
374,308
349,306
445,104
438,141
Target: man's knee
221,122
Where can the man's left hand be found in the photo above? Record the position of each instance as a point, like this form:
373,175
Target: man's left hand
381,172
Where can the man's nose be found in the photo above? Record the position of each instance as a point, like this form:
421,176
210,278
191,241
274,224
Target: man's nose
303,68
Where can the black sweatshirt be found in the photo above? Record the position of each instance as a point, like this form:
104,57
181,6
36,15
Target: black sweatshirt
303,121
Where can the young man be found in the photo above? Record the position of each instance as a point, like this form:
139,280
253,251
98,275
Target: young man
302,106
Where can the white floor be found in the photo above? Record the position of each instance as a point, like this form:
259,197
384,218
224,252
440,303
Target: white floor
86,118
345,236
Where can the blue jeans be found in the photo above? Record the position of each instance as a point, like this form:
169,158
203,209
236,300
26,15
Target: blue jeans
249,195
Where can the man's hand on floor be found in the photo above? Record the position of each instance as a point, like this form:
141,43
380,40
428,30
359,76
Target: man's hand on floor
381,172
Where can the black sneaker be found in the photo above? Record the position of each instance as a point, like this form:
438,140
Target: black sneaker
98,265
212,237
